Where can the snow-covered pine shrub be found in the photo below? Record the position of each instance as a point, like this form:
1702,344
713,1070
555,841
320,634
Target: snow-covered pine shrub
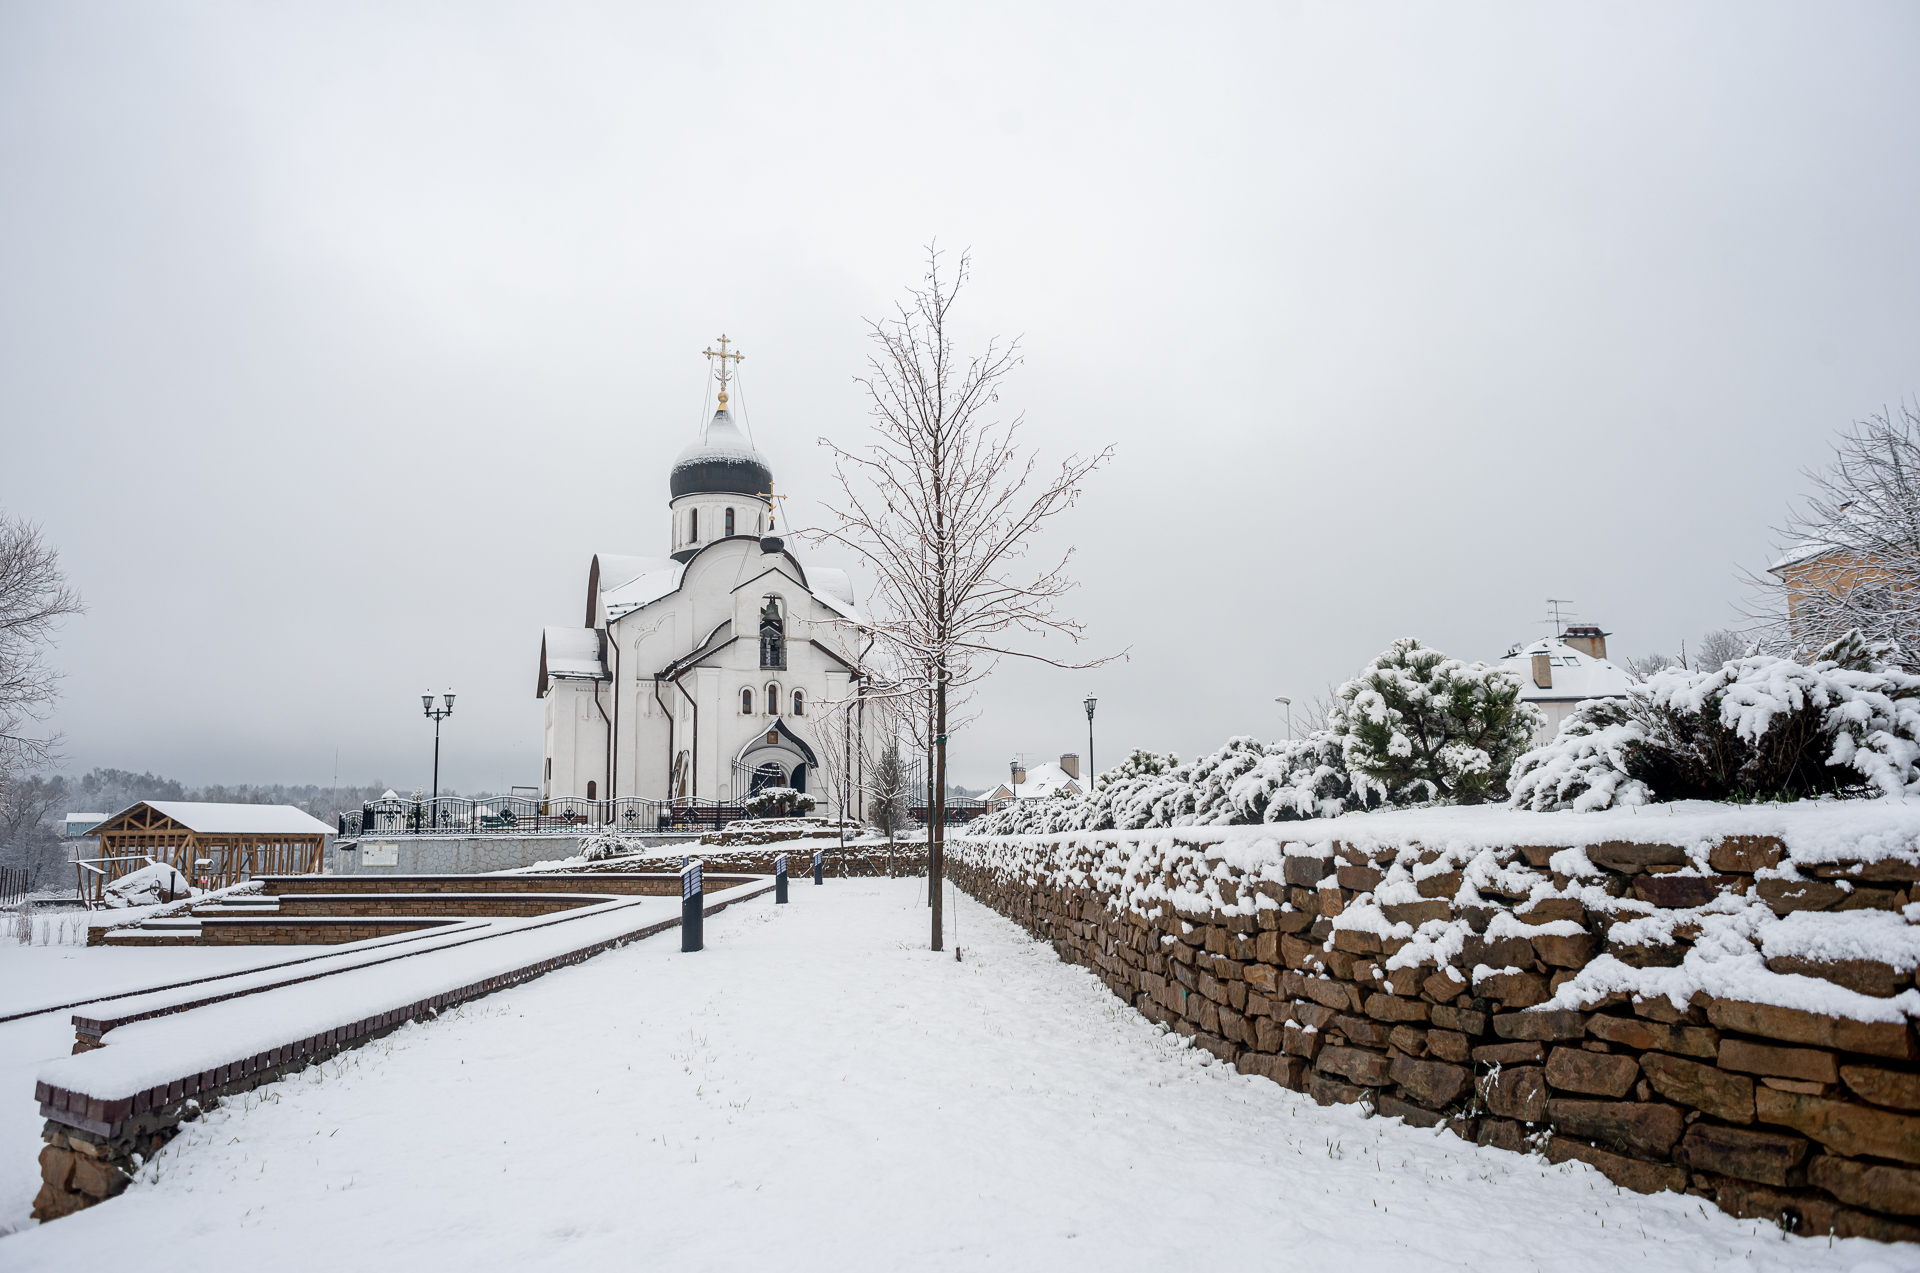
1759,727
1587,765
1416,725
1306,778
777,802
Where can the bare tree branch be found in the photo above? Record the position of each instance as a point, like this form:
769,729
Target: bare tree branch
1850,558
943,506
34,597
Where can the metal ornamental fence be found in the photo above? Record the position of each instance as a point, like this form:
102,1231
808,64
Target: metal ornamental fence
524,815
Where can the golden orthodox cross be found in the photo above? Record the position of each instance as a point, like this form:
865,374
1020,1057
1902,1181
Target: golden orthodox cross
723,356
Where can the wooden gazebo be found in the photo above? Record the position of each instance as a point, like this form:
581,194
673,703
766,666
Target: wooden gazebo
213,845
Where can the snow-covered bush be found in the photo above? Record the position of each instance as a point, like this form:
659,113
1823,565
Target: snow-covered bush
1759,727
1417,725
777,802
147,886
1303,779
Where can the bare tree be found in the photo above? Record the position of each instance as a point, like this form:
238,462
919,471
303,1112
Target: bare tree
1717,649
942,507
34,597
1851,555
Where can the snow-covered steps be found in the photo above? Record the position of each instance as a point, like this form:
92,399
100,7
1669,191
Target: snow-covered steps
152,1054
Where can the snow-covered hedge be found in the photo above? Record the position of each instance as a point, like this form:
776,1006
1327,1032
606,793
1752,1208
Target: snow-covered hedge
1415,726
1758,728
778,802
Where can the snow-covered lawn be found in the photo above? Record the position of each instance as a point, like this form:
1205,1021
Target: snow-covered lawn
40,976
816,1090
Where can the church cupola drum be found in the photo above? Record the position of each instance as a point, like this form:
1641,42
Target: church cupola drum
720,485
700,676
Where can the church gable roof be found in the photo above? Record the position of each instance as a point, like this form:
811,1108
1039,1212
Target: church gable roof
618,585
569,654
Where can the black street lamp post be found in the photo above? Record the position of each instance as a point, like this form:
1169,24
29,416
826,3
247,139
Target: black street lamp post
1088,703
436,715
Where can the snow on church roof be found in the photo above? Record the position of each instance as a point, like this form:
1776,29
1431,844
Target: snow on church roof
721,460
571,652
641,581
833,588
1575,675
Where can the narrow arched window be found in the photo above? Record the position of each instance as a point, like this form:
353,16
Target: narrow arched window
593,788
773,699
729,522
693,525
799,702
746,702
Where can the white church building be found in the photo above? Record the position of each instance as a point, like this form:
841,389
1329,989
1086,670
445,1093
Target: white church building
704,674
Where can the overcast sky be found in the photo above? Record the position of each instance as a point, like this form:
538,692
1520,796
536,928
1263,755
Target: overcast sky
335,339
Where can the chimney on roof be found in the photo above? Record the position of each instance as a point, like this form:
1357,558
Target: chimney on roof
1019,775
1071,763
1588,639
1543,671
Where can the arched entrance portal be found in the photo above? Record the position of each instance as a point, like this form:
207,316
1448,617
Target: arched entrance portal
775,757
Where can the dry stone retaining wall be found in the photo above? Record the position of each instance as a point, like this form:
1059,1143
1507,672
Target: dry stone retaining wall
1287,964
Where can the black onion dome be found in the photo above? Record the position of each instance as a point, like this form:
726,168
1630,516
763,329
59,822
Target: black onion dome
721,461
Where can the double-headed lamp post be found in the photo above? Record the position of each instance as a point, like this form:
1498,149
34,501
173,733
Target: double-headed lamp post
436,715
1088,703
1288,704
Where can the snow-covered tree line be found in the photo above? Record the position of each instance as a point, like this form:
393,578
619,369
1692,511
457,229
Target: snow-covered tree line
1847,722
1415,726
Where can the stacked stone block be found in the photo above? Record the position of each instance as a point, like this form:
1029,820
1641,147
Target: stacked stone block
1808,1120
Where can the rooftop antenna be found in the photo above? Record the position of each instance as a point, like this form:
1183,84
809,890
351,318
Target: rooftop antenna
1556,603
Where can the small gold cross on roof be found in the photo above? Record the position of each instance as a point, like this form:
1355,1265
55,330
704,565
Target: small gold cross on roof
723,356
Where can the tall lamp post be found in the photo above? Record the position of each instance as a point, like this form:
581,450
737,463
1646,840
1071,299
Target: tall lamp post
436,715
1288,704
1088,703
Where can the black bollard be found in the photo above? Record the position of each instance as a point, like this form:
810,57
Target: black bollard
692,907
816,868
780,880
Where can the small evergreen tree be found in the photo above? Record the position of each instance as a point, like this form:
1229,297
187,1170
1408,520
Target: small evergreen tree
888,808
1416,725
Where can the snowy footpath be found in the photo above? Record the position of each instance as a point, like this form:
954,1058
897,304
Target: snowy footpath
816,1090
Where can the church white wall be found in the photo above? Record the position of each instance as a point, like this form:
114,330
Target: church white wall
575,741
750,517
728,581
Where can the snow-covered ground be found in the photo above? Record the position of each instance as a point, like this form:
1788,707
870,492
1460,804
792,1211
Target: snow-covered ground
39,976
817,1090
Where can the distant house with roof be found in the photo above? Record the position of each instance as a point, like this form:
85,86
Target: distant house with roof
1559,673
1831,586
1040,781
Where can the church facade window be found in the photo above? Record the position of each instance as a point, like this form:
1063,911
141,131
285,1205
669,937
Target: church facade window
773,639
799,702
746,702
693,525
729,523
773,698
593,789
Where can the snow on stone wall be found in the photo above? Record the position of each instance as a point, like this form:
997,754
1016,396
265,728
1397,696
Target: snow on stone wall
1712,1000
